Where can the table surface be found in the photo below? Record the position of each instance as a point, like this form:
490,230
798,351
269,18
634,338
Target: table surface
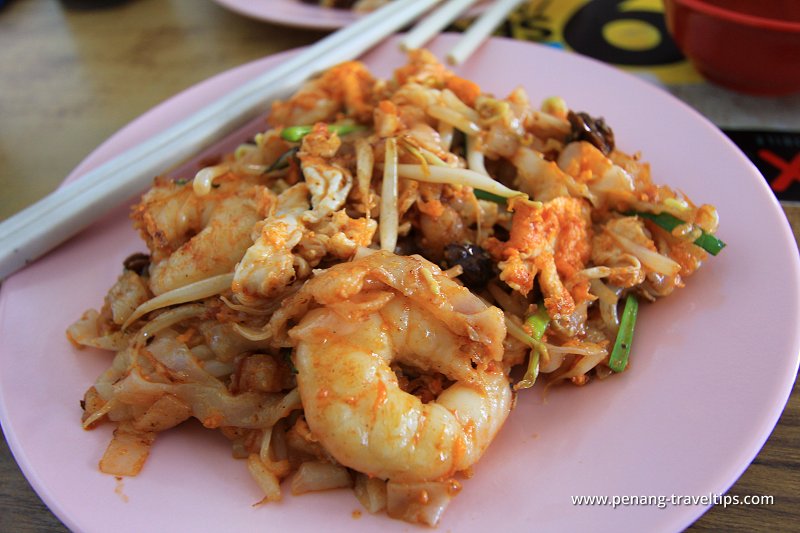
96,70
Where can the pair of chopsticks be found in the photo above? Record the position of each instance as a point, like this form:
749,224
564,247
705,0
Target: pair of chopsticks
472,38
37,229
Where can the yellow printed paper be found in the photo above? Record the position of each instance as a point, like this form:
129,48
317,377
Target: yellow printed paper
630,34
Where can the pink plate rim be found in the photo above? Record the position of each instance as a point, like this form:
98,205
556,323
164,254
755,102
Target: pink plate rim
689,416
298,14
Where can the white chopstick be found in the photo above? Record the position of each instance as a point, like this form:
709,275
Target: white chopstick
480,30
431,25
40,227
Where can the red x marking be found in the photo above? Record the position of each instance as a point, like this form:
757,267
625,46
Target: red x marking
790,172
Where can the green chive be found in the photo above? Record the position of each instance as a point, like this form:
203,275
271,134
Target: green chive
538,324
283,161
622,346
706,241
296,133
484,195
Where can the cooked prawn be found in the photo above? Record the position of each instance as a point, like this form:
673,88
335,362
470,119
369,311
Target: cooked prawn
193,237
383,309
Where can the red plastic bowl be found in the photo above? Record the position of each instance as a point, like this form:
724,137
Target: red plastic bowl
752,46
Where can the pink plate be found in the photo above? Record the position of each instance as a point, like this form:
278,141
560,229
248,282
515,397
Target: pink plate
710,373
291,13
297,13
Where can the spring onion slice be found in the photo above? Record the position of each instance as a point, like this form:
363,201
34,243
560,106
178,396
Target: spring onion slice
706,241
622,346
283,161
296,133
537,323
485,195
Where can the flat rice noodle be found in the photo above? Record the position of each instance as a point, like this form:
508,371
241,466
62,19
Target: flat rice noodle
86,332
420,503
584,365
313,476
371,492
127,451
167,412
213,406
